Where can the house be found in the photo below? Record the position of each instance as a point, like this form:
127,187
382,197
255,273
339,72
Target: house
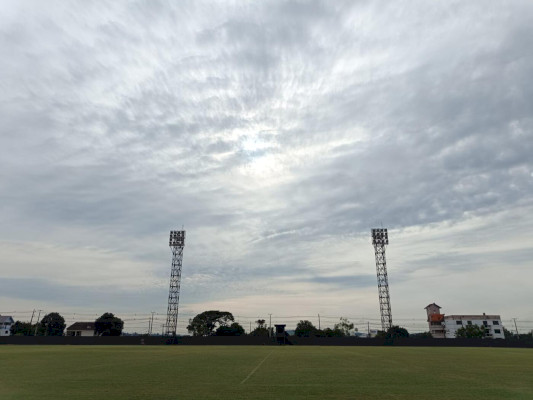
435,320
81,329
446,326
491,323
6,321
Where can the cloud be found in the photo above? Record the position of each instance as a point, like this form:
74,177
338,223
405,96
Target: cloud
278,134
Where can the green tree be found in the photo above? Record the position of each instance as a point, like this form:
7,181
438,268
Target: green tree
262,329
205,323
470,331
526,336
508,334
235,329
396,332
108,325
305,328
53,324
421,335
20,328
344,327
335,332
381,334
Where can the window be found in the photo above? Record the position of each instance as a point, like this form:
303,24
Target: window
459,322
497,331
485,323
495,323
469,322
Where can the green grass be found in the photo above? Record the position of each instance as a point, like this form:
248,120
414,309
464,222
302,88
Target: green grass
284,372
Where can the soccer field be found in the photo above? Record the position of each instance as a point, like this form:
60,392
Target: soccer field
264,372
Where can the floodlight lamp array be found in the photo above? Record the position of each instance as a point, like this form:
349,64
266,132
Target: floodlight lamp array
380,236
177,238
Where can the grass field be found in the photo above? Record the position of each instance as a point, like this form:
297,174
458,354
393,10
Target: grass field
264,372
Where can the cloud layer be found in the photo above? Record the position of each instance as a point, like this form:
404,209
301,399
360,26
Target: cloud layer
278,133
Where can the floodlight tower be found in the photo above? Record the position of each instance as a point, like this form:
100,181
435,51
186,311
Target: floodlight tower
380,239
176,243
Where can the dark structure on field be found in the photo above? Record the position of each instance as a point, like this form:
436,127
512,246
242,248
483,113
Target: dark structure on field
176,243
281,335
380,239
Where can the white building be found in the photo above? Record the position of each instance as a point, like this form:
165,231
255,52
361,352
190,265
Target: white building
491,323
81,329
446,326
5,325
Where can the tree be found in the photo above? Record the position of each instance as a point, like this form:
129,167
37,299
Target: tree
470,331
396,332
205,323
335,332
305,328
421,335
20,328
261,329
108,325
508,334
381,334
344,327
235,329
53,324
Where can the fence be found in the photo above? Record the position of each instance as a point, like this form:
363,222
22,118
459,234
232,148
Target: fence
257,341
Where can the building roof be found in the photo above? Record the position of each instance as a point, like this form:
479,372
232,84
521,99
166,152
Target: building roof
432,304
81,326
483,316
6,318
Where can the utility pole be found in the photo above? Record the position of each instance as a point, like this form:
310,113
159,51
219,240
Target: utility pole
31,320
151,324
37,323
318,321
368,325
517,335
250,326
270,325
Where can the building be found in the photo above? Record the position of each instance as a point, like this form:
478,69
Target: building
372,333
435,321
81,329
6,322
446,326
491,323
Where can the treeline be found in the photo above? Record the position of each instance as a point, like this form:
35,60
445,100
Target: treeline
53,324
344,328
222,323
477,331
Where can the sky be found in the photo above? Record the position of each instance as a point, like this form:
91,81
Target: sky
277,134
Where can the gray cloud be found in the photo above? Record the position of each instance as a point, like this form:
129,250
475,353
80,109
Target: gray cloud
278,133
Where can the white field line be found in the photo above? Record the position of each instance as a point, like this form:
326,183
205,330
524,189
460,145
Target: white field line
256,368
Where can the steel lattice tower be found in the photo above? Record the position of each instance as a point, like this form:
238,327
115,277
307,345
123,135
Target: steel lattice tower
380,239
176,243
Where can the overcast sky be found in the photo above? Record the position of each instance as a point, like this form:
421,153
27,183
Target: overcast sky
278,133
